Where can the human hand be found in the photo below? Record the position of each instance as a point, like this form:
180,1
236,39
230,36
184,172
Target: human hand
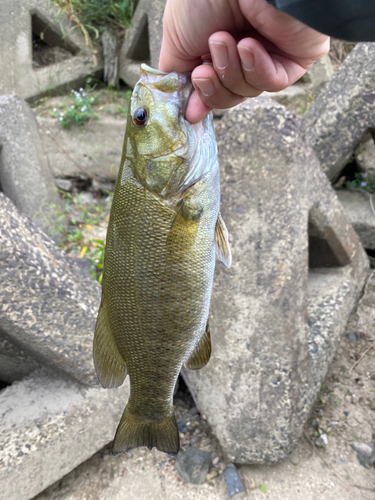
253,47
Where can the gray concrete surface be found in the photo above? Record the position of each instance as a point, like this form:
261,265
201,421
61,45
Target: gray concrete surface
17,74
282,216
48,304
25,176
343,111
358,210
142,41
48,426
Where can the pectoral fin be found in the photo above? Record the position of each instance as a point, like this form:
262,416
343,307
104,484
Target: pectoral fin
222,242
109,364
201,353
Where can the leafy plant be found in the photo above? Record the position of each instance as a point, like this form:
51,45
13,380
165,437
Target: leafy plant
362,181
80,110
263,488
77,225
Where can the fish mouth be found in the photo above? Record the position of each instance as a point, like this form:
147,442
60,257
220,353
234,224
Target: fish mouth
184,86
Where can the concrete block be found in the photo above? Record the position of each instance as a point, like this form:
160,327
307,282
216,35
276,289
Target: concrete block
142,41
25,176
18,19
48,304
358,210
342,113
48,426
272,338
96,147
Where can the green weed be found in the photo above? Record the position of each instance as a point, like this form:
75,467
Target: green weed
91,16
263,488
80,110
362,181
77,226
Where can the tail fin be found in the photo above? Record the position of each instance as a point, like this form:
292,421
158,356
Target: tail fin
134,431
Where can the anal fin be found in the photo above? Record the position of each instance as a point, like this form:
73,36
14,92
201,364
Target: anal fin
222,243
109,364
201,353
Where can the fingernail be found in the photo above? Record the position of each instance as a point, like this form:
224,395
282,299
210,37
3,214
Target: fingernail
247,57
219,52
205,85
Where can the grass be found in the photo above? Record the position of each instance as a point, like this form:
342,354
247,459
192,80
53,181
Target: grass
92,16
81,229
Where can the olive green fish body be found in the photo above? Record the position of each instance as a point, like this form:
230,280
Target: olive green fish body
159,265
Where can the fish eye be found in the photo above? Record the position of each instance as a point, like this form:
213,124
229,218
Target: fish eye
140,117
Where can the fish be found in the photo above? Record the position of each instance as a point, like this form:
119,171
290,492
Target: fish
163,232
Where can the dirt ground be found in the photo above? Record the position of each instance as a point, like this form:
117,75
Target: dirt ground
344,411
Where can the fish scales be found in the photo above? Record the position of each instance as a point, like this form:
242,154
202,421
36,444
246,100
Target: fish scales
159,262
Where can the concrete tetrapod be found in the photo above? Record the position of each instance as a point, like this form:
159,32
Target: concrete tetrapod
19,21
142,41
342,113
278,313
48,304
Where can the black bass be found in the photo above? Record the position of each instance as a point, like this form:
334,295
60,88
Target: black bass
159,263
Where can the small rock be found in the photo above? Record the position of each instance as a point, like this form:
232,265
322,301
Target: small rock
215,461
322,441
232,480
365,453
64,184
193,465
346,413
181,426
353,336
362,448
321,413
315,423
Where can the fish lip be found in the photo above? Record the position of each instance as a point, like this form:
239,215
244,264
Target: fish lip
185,88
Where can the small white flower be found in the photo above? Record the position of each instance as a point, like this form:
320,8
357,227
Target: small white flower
84,108
72,107
92,99
61,119
54,110
84,94
81,89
